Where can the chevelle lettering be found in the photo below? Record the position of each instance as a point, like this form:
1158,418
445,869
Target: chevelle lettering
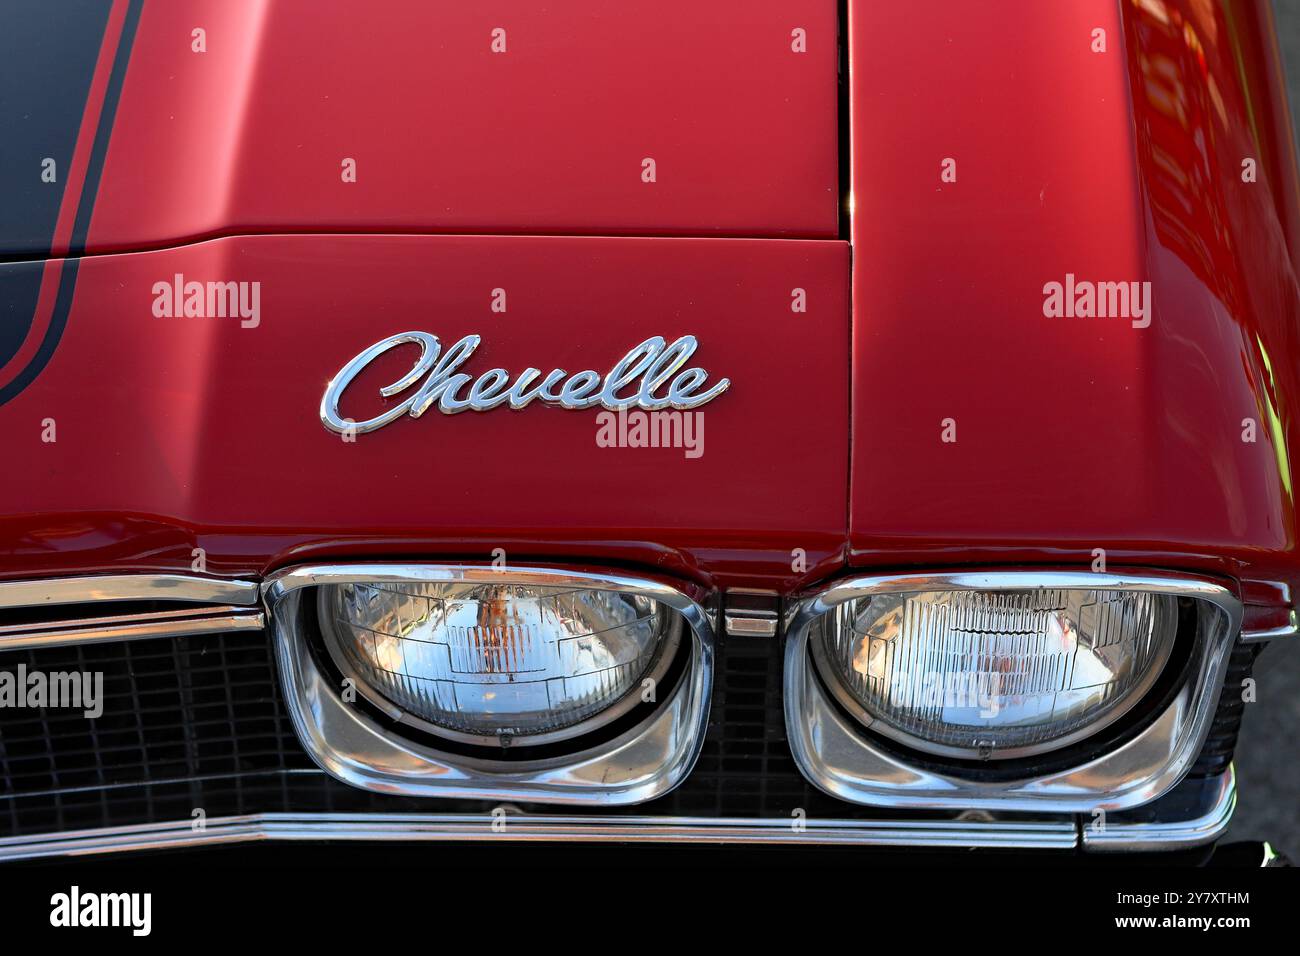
646,369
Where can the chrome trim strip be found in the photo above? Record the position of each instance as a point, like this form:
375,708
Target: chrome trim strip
750,612
1184,834
1291,628
127,587
834,754
952,834
184,613
130,629
749,624
644,762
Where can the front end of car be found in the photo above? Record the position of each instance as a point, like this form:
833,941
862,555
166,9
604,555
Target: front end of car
857,426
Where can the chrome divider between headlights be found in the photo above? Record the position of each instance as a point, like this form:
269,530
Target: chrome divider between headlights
833,752
638,765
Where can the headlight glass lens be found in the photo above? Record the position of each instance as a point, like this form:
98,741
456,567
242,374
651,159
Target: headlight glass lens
486,661
994,673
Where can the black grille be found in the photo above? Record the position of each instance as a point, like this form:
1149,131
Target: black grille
746,768
1222,740
189,709
199,723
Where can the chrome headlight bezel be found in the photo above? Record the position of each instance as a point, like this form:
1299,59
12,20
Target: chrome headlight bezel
635,765
836,753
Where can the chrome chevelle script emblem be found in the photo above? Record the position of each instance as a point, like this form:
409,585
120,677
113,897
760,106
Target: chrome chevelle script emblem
650,376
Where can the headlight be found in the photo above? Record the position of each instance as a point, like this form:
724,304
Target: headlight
498,663
992,674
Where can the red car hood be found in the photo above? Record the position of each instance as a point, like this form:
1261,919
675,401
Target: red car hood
567,185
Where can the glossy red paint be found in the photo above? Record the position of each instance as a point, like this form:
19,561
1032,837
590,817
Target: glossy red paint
210,436
1072,434
448,136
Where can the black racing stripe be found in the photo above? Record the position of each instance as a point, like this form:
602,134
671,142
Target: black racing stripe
62,306
95,168
94,172
47,59
20,288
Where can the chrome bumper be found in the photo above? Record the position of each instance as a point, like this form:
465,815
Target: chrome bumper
1066,833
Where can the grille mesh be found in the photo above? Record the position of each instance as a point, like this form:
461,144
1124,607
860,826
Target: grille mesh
199,708
1222,739
199,723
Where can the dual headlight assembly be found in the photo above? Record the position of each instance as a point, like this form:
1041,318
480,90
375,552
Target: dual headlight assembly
1015,690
